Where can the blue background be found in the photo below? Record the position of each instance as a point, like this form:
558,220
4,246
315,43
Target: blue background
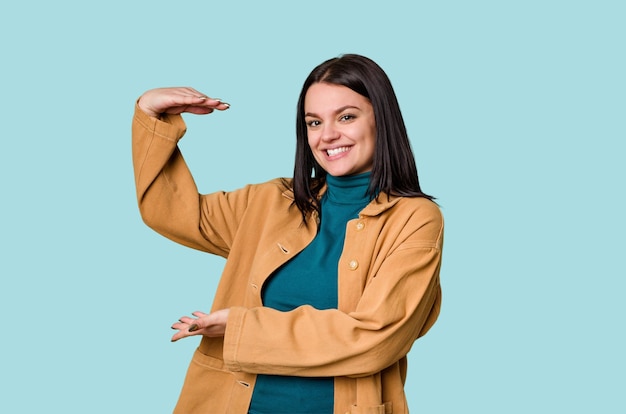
516,114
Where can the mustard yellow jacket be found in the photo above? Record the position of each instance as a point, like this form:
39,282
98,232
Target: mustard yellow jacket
389,291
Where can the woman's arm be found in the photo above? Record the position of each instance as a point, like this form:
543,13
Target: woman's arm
396,308
166,192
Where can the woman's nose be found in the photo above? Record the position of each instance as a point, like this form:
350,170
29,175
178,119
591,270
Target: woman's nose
329,133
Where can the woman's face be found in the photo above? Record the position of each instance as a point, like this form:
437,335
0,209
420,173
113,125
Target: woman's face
341,129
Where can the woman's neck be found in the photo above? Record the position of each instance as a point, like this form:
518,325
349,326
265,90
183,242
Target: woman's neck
351,189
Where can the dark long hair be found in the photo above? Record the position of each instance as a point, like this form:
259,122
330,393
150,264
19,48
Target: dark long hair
394,171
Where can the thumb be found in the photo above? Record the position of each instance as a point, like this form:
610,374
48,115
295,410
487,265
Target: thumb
194,327
198,323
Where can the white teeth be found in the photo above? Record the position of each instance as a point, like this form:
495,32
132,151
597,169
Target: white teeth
335,151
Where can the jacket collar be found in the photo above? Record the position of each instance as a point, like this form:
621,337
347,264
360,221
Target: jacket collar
377,206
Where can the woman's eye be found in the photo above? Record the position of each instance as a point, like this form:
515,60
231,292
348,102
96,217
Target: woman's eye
313,123
346,117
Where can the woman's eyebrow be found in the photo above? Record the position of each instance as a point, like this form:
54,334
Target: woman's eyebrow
337,111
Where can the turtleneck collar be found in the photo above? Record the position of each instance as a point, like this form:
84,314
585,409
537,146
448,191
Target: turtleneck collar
348,189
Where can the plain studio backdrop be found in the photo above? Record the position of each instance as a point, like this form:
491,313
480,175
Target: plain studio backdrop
516,115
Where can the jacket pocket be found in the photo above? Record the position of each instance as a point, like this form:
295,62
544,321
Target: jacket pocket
208,387
385,408
208,361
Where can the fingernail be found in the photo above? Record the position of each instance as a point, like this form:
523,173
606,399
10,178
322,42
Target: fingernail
193,328
225,104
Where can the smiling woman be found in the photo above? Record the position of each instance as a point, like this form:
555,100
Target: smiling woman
321,300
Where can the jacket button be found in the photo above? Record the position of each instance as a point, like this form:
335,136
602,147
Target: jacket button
353,264
360,225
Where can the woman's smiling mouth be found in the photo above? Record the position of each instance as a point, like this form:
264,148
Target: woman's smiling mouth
335,151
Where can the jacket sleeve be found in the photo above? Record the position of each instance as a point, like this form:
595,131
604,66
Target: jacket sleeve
398,305
167,195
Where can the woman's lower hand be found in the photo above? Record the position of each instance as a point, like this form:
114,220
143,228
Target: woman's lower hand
211,325
177,100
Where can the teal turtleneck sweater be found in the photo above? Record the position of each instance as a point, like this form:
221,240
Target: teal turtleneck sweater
310,278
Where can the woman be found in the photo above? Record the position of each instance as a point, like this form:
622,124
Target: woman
330,276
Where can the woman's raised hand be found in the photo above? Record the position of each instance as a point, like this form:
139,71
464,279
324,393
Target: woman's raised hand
156,102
